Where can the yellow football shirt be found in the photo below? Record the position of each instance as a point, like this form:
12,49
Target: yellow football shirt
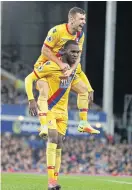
55,40
58,92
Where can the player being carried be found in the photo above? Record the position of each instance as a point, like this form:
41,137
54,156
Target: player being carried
57,115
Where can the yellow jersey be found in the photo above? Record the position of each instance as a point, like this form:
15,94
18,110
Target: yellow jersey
58,92
55,40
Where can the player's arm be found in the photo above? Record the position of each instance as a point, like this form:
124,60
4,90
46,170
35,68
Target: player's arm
49,54
29,91
50,42
29,85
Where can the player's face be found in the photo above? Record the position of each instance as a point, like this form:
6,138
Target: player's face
72,53
78,22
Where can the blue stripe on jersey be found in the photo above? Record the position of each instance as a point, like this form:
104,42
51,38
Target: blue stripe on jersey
57,98
58,94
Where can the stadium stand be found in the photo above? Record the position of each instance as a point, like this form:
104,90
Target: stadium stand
88,155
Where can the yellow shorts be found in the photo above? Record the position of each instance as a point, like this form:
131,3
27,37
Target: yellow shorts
57,121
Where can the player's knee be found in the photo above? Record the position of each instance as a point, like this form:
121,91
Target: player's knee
53,136
60,144
53,140
60,141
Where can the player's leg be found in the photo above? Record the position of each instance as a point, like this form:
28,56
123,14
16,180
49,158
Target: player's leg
81,89
62,120
83,97
58,159
43,88
51,151
85,80
51,154
58,155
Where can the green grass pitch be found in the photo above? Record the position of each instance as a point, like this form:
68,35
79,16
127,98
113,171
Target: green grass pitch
16,181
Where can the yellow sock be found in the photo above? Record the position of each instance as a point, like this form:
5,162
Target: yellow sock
83,115
57,163
82,103
51,157
43,109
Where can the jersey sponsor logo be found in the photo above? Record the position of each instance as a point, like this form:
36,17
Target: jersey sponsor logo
49,38
65,82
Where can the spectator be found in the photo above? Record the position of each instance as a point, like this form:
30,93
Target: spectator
88,155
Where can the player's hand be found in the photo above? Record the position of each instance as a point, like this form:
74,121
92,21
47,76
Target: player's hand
33,108
90,98
64,67
68,72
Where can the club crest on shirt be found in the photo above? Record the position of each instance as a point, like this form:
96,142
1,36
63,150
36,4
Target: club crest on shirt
49,38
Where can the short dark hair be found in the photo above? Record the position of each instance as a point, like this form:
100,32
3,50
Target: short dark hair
70,42
75,10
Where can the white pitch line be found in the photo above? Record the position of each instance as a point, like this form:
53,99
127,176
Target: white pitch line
115,181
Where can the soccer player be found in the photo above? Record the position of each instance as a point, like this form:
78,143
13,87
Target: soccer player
52,50
57,115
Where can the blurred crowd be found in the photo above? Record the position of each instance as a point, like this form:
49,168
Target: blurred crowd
80,155
10,62
9,95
